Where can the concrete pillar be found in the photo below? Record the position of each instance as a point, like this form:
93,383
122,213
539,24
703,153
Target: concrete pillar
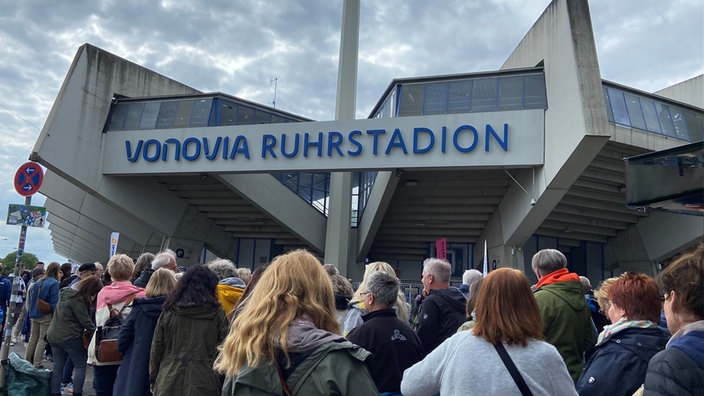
339,249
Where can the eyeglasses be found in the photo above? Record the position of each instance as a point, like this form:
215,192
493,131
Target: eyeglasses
365,293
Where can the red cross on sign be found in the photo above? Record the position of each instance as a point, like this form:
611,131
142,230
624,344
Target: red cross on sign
28,178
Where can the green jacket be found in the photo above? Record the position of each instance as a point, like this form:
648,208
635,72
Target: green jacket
71,318
335,368
184,349
567,322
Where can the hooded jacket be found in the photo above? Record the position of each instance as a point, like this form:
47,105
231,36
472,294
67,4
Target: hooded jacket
134,342
117,294
184,349
322,363
567,321
229,292
143,278
618,365
679,369
71,318
441,314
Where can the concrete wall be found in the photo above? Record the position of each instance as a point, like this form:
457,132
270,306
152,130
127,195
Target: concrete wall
562,41
690,91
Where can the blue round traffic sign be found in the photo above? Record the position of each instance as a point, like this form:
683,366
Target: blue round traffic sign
28,178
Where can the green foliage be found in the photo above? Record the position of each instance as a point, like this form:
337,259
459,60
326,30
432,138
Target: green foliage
8,262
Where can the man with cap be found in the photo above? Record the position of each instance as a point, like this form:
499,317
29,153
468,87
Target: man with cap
84,271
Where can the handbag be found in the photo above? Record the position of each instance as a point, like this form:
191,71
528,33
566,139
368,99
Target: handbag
517,378
106,350
42,306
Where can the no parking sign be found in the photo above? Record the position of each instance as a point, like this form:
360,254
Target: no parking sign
28,178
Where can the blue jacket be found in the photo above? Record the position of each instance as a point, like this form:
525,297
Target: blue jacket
48,289
5,292
618,365
135,342
679,369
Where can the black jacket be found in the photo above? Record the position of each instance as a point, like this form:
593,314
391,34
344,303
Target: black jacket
394,346
679,369
618,365
134,342
143,278
441,314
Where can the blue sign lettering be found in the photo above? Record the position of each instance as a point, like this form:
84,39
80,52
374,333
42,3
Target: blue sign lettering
462,139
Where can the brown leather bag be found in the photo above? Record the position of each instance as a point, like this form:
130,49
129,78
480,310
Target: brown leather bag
42,306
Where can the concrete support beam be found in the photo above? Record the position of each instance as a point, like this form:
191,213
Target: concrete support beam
339,241
379,200
282,205
339,249
563,42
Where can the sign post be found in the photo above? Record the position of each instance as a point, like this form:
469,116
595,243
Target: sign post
28,179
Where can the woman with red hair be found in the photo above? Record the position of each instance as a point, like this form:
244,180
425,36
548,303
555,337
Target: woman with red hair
620,359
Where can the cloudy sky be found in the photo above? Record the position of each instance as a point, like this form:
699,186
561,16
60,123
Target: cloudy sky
240,46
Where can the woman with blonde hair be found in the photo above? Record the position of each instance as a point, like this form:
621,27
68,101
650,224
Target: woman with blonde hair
354,316
286,338
136,335
115,297
508,332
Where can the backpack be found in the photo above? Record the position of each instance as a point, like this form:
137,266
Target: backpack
106,350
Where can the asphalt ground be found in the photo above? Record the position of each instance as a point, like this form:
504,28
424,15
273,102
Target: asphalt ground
88,390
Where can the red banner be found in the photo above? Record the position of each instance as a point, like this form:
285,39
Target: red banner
441,248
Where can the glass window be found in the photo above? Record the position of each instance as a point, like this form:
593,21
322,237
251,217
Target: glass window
117,117
535,95
245,115
510,93
262,117
459,96
680,123
484,95
276,119
183,113
435,98
201,112
228,113
618,106
665,118
635,113
411,100
134,114
167,115
695,125
149,115
650,116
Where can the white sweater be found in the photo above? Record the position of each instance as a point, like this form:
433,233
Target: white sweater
468,365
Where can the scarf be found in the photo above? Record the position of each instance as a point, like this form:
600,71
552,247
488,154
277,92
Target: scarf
622,324
561,275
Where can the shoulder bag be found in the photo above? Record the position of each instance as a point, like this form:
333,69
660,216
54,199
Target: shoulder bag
520,382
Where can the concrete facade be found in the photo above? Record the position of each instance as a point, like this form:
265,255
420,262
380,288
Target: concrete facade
573,199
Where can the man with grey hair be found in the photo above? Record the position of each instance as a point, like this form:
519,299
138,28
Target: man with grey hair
567,322
392,342
443,310
164,259
470,276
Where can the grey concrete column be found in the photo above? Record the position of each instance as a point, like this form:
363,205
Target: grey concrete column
338,239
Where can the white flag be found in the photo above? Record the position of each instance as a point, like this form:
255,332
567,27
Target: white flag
113,243
486,263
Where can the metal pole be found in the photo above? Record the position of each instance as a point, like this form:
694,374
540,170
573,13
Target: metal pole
11,320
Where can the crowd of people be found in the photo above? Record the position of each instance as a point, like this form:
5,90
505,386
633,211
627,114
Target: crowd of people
298,327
